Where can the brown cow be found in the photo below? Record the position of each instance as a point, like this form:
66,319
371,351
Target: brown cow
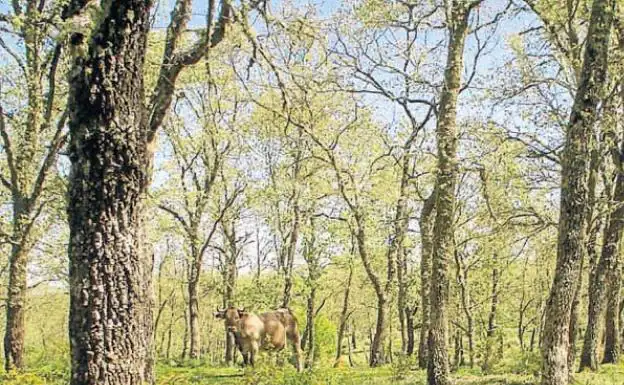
267,331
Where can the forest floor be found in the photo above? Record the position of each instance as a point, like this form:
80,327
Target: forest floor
202,375
608,375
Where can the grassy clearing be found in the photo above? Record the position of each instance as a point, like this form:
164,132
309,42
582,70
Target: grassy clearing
197,374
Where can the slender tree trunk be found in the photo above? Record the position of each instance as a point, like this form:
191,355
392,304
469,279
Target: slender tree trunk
193,301
409,321
377,357
574,192
229,282
310,318
426,235
402,301
491,330
466,304
443,248
24,175
344,317
290,258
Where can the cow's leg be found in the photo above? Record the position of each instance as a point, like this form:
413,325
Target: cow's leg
295,341
279,360
253,352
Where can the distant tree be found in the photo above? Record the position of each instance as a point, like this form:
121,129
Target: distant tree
32,132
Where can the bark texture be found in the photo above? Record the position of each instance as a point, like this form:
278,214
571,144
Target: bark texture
426,238
110,323
574,194
443,249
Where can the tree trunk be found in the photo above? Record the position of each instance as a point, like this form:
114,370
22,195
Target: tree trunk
426,235
229,282
490,333
612,345
110,323
574,316
230,347
16,294
590,342
409,321
466,304
443,248
599,285
611,279
574,191
377,357
344,317
25,192
310,317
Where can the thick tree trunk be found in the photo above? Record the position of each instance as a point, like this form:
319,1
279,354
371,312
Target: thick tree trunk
595,306
611,278
574,316
110,323
599,285
612,332
443,248
574,193
426,238
15,309
16,290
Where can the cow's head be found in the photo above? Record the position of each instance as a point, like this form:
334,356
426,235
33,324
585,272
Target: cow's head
231,316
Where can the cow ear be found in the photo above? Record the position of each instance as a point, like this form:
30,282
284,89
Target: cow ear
241,311
219,313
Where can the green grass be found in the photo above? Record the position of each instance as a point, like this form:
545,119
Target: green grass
194,373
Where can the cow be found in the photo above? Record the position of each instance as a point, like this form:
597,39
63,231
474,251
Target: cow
267,331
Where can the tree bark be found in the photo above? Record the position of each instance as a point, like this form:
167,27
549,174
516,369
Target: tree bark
426,235
597,275
443,250
230,275
409,321
110,323
466,304
574,316
612,332
491,330
193,301
344,317
608,273
574,192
